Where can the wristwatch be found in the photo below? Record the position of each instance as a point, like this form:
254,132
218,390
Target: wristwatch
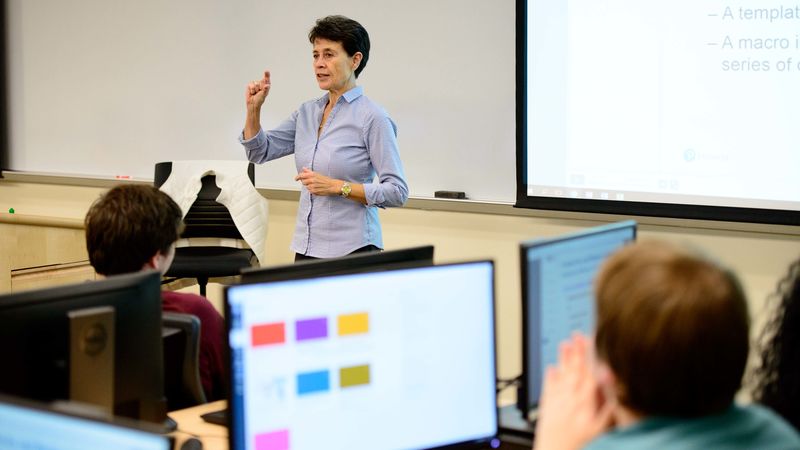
346,189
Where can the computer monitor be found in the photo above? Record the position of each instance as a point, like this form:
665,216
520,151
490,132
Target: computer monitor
356,262
395,359
557,296
25,425
95,342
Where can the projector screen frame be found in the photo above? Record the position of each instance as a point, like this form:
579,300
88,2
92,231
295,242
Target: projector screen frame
601,206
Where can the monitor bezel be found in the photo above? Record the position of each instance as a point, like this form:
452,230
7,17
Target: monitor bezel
523,390
68,410
381,260
472,444
147,284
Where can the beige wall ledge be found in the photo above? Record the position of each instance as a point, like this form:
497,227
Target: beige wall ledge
437,204
43,221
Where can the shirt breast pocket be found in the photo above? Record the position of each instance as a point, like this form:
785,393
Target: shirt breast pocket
350,158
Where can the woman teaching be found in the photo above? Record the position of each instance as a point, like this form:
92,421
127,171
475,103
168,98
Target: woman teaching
340,142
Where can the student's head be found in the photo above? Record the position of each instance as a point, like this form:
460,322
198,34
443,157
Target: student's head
777,377
130,228
350,34
673,329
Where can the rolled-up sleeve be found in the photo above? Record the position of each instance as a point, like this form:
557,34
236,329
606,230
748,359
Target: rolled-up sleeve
390,189
274,144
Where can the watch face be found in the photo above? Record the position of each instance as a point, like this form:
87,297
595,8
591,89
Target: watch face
346,189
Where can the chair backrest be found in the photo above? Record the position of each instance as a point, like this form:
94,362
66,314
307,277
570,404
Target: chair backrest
182,385
206,217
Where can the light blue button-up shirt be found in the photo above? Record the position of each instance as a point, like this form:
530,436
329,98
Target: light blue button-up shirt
358,141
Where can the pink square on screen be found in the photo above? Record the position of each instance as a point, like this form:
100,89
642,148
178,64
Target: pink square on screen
276,440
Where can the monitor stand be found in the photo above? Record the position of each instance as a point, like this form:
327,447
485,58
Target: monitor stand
169,425
514,428
91,356
91,366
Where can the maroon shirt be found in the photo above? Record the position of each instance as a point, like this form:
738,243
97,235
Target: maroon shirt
212,329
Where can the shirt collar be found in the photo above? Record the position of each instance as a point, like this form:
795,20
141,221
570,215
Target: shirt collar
353,94
349,96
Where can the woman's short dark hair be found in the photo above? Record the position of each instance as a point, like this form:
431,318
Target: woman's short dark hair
777,377
673,327
128,225
353,37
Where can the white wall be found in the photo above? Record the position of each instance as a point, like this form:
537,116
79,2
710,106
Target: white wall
106,88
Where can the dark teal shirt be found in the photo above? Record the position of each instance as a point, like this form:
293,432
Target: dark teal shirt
740,427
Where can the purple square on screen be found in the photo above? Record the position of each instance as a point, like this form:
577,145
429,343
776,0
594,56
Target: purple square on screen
316,328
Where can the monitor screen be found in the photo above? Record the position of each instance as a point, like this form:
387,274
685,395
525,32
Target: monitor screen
557,295
35,325
397,359
356,262
25,426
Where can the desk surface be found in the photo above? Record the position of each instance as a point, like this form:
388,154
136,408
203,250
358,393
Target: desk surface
190,424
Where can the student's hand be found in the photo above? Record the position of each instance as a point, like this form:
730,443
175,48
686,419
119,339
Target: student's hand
573,410
257,91
318,184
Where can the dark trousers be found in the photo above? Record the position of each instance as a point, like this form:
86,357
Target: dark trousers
368,248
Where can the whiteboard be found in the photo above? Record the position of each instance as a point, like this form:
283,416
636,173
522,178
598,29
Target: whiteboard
109,88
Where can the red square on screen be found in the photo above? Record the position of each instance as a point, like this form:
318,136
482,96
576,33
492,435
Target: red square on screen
268,334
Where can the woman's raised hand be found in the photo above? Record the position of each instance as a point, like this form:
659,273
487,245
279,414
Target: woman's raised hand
257,91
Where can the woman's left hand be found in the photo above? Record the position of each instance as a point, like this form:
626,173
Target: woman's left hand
318,184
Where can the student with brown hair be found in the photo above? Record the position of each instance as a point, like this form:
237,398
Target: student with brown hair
134,227
671,343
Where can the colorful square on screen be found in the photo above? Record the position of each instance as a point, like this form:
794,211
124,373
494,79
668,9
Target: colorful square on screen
275,440
268,334
306,329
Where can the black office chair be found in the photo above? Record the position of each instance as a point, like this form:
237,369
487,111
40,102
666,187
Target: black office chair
207,219
181,336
